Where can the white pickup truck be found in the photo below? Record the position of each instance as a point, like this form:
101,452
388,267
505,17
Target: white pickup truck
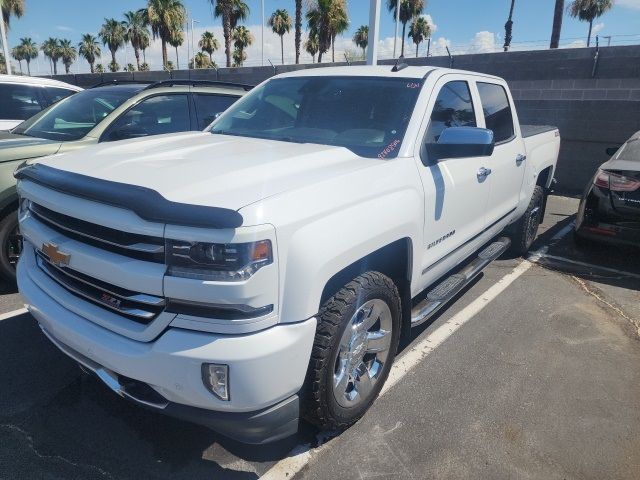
265,269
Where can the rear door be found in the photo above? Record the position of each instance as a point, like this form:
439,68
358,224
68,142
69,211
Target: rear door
507,164
455,196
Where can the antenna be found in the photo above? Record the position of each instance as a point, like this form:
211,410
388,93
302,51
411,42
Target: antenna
450,58
400,65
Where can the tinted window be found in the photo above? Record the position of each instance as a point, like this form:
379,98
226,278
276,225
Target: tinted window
453,108
56,94
207,106
153,116
19,102
73,117
497,111
367,115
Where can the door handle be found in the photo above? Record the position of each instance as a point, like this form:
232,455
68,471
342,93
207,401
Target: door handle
520,158
484,172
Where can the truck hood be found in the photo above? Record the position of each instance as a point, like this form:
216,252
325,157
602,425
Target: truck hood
211,170
21,147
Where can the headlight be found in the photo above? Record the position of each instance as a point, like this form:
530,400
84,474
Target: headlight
23,208
231,262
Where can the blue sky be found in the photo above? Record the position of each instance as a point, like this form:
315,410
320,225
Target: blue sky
464,25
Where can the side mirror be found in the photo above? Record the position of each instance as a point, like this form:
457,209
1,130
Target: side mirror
611,151
461,142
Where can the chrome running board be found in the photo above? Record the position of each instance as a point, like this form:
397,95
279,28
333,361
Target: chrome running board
442,293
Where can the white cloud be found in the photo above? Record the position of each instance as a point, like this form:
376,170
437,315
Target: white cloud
575,44
597,28
483,42
64,28
629,3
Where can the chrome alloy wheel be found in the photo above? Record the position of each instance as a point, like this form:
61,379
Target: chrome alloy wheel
534,222
363,350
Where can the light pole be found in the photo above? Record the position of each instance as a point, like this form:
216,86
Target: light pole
374,33
193,45
5,44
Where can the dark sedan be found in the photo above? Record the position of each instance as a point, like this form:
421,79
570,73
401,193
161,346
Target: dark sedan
610,207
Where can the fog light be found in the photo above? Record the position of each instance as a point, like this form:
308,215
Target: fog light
216,379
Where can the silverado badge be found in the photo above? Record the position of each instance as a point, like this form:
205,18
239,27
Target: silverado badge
57,257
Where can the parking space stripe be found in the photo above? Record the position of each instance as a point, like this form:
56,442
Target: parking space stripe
14,313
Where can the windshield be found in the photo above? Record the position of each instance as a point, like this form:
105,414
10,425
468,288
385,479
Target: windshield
75,116
367,115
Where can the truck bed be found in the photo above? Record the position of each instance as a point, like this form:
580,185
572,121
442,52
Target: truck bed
531,130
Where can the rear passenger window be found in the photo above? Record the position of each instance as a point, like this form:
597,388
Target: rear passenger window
19,102
453,108
208,106
497,111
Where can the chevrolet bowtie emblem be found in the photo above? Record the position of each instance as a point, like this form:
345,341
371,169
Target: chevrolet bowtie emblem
55,256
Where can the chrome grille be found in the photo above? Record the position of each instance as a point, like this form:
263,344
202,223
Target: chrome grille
141,247
139,307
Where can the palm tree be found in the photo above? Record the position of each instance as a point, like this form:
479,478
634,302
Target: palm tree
338,23
200,60
508,28
99,68
419,31
311,46
11,8
209,44
242,38
136,32
361,37
588,11
408,10
130,67
326,19
165,17
18,54
557,24
177,39
298,35
89,48
30,50
51,49
68,53
280,23
231,11
112,34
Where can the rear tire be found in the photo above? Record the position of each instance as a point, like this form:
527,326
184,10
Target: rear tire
355,345
10,246
526,228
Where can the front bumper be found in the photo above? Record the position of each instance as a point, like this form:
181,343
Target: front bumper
266,368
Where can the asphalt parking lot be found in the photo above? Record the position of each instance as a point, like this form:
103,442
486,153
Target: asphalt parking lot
538,376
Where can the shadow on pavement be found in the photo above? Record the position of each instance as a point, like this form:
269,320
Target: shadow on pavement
53,417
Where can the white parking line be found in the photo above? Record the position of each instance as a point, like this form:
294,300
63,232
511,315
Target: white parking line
13,313
302,455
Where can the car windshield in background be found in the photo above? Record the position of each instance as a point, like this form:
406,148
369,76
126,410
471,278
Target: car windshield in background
367,115
74,117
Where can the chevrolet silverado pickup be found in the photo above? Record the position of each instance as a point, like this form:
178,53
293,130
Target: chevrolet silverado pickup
265,270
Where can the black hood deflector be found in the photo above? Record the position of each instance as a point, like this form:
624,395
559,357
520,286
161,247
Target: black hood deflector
145,202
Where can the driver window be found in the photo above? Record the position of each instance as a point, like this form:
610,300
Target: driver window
153,116
453,108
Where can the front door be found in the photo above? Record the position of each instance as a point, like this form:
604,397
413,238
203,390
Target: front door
455,195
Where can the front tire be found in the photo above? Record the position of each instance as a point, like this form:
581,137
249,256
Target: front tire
10,245
355,345
526,228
